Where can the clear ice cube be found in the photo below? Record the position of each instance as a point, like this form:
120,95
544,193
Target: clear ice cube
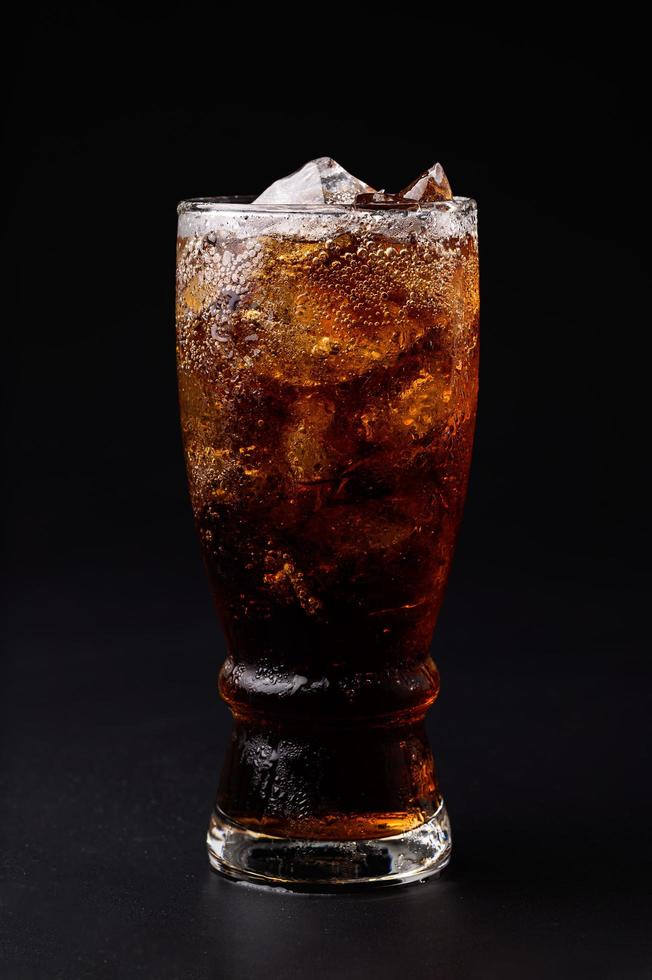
431,186
321,181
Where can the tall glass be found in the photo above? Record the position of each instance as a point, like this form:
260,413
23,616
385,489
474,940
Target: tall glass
327,361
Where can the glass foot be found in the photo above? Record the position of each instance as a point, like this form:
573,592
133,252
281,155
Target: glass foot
299,864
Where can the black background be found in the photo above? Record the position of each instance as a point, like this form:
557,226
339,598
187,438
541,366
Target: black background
112,730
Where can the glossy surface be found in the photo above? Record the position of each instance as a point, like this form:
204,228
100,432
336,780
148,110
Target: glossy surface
106,788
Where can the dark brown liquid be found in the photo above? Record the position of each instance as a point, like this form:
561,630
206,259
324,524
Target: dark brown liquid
328,413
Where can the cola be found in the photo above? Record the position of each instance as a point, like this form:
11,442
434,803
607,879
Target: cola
327,363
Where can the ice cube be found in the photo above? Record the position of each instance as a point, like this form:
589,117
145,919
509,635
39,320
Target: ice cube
431,186
320,181
380,201
411,415
305,443
335,310
363,528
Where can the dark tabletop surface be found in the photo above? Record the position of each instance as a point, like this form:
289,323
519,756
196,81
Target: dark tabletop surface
113,740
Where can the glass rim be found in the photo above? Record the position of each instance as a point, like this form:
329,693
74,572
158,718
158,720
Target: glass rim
245,204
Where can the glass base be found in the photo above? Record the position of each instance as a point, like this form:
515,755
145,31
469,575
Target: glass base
323,865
